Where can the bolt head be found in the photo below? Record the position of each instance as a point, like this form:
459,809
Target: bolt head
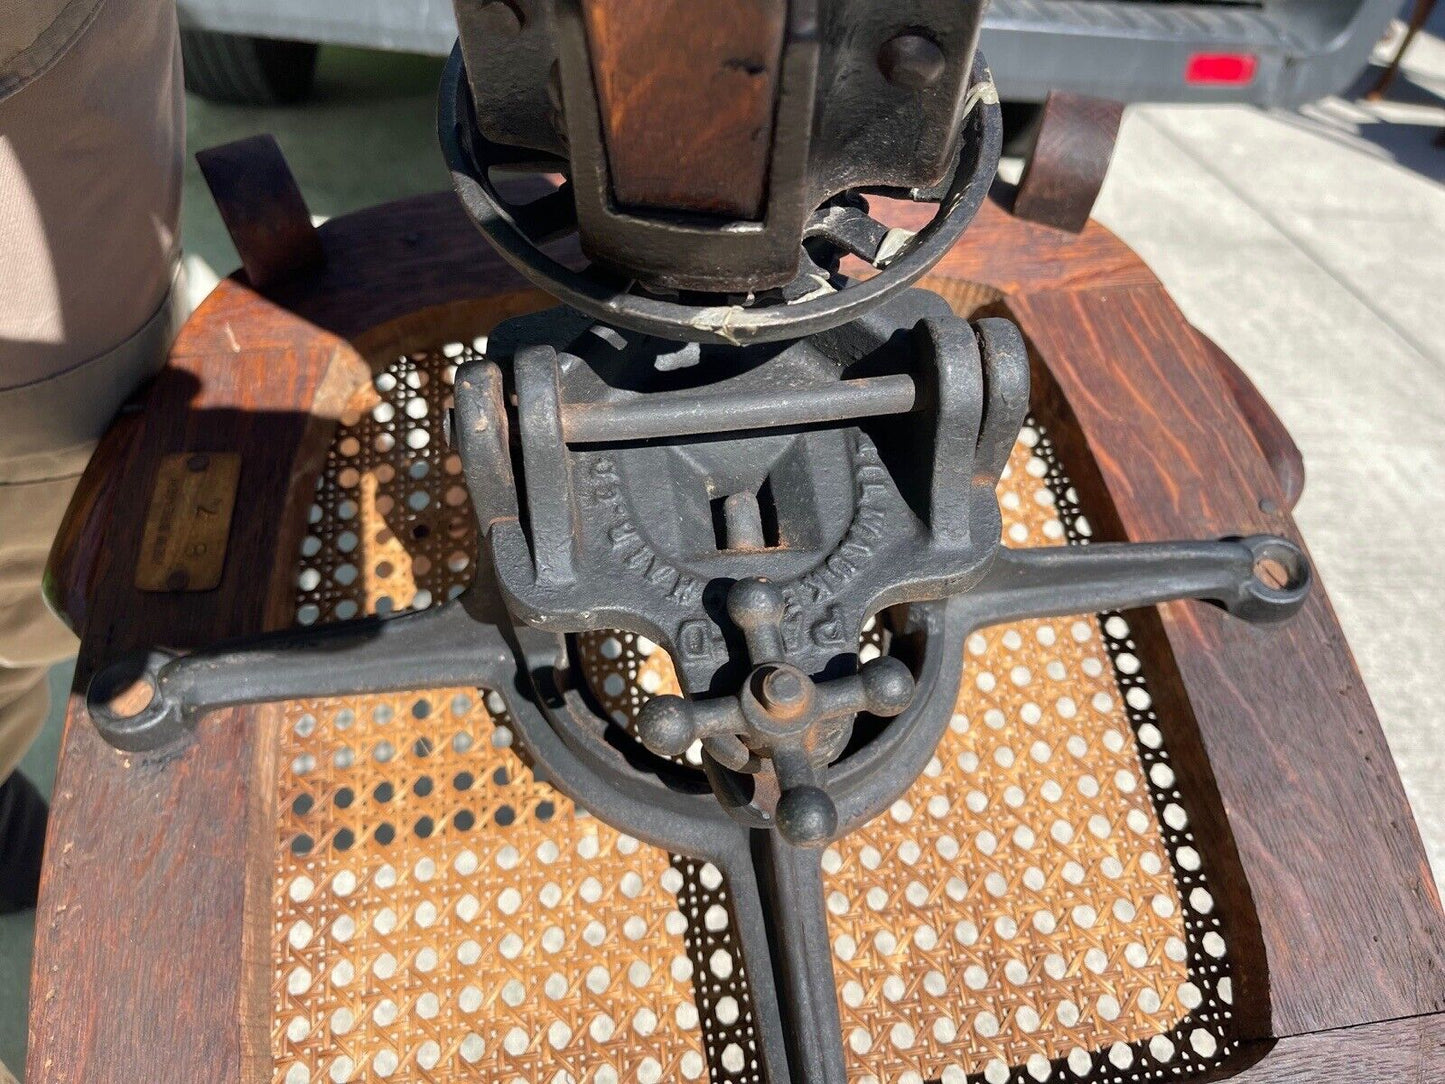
785,692
911,61
1272,573
806,816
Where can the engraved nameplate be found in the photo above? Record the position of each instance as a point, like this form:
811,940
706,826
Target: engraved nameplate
188,522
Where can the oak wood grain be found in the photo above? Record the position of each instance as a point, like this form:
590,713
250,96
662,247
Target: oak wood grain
262,207
1411,1051
683,82
1069,160
1279,448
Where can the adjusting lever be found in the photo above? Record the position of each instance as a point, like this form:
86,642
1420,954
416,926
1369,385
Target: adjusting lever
780,714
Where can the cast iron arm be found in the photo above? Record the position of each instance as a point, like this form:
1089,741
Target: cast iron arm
147,700
1262,579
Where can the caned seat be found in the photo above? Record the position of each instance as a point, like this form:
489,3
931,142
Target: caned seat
1150,846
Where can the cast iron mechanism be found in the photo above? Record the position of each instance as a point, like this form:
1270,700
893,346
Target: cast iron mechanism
855,469
822,97
780,714
852,471
709,301
726,446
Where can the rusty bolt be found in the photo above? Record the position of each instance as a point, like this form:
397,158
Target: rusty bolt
133,699
785,692
1272,573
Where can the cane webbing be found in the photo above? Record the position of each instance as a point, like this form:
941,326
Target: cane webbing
1034,908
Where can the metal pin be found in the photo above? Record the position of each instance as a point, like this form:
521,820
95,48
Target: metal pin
744,520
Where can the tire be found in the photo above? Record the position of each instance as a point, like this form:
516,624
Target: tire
245,70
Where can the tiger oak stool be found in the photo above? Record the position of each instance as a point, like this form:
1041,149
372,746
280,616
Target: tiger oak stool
1152,846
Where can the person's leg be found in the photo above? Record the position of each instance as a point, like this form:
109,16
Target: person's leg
31,638
90,180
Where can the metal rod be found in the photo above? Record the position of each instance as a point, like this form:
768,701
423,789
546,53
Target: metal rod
649,417
790,882
743,518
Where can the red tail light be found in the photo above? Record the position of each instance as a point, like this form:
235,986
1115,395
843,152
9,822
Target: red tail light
1220,69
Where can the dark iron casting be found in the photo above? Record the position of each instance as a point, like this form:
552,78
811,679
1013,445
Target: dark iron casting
812,297
869,95
752,545
746,479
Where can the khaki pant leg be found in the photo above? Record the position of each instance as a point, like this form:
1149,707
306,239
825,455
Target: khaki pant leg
30,636
90,181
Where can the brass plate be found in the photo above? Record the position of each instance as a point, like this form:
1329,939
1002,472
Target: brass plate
188,522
